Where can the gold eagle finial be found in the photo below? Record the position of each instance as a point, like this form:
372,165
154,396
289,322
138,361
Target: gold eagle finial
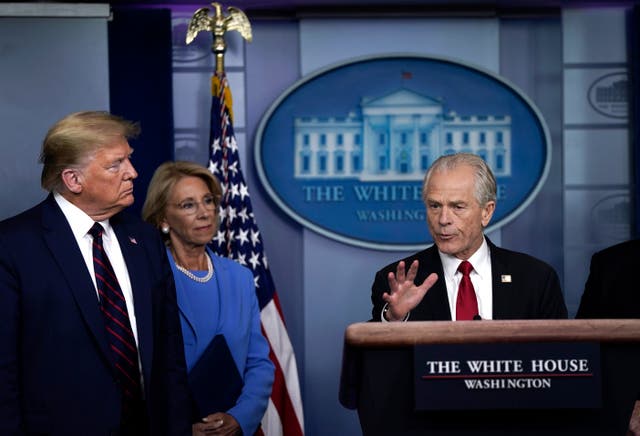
218,25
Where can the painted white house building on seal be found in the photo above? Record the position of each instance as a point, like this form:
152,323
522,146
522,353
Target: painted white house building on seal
396,137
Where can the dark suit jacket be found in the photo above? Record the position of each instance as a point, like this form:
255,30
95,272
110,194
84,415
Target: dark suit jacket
56,377
533,293
611,290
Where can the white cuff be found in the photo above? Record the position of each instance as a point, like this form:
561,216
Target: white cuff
385,309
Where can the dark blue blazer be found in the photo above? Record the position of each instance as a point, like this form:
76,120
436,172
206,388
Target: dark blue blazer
611,290
533,291
56,376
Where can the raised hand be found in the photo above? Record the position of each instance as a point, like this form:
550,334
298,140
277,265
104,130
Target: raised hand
403,293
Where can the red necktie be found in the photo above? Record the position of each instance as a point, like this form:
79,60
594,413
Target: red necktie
116,323
467,304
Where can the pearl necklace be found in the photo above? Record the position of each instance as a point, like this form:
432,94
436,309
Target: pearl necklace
194,277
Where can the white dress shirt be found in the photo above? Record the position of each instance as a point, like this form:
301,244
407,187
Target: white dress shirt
80,224
480,277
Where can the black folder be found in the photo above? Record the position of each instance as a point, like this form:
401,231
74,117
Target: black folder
214,380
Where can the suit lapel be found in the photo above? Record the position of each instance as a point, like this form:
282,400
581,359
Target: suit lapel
134,257
65,250
225,282
184,304
435,305
501,283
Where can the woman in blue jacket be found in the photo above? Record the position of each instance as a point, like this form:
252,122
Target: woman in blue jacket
217,299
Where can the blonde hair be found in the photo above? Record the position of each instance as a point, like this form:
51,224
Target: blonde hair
164,180
72,141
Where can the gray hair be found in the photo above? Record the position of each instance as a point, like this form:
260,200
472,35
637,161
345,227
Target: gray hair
485,183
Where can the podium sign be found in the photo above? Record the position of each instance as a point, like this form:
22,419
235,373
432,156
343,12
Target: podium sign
533,375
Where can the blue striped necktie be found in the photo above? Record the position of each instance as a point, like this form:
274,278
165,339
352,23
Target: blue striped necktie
117,324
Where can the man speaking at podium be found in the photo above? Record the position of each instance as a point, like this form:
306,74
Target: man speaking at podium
464,276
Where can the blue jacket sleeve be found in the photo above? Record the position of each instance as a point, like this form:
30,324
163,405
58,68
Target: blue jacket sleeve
258,371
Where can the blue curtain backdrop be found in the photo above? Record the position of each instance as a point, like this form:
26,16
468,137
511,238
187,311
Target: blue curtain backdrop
140,65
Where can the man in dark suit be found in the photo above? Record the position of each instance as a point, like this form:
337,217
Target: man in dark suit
611,292
61,366
459,192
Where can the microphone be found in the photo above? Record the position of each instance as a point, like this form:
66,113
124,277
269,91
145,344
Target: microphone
476,317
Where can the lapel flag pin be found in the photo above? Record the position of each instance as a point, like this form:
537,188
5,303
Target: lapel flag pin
505,278
133,240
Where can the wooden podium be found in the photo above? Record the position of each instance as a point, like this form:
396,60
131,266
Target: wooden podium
378,373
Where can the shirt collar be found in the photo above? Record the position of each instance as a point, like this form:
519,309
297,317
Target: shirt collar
480,260
79,221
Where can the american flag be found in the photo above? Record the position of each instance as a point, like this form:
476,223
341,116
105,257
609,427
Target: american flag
239,238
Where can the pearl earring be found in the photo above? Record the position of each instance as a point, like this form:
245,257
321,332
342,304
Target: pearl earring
165,230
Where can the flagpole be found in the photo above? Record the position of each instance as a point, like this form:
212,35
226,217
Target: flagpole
218,25
238,236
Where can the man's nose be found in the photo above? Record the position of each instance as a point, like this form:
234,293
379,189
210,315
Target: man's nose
130,170
445,216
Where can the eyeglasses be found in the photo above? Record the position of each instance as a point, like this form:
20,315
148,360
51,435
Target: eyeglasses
189,207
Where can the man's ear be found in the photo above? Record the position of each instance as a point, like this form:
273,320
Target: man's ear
487,212
72,180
